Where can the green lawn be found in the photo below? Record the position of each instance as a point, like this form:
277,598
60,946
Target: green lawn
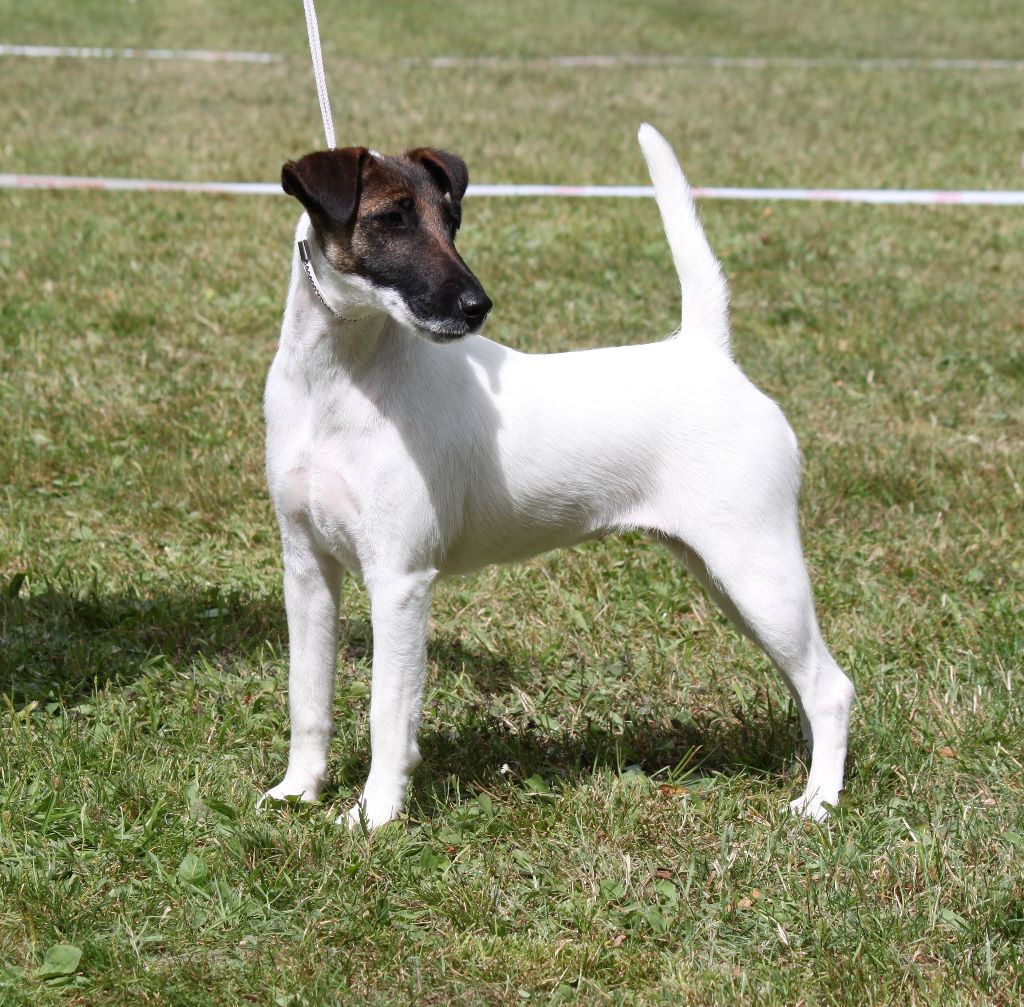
598,817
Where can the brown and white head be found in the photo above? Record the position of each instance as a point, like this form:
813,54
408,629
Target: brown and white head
388,226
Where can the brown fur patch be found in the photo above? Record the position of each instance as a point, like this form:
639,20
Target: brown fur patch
392,185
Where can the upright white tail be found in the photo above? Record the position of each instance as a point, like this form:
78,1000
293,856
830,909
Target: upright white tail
705,295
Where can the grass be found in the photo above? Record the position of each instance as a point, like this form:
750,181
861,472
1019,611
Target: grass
598,816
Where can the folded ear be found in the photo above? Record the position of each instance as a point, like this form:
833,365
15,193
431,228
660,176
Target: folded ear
327,183
449,171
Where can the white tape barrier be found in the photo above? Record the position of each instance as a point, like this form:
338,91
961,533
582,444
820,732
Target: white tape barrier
883,196
889,196
136,185
500,62
94,52
724,62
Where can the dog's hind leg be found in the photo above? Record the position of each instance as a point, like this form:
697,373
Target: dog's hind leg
759,579
399,609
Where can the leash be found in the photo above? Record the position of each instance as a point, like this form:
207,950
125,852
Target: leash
313,31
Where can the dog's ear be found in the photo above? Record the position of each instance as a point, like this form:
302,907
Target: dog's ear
448,171
327,183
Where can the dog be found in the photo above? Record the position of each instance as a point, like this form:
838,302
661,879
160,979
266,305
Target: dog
402,446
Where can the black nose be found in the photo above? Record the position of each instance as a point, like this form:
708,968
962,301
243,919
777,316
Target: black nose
475,304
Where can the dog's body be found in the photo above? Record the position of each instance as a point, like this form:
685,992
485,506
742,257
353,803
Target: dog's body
401,460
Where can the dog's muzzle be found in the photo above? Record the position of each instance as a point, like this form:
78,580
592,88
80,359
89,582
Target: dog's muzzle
461,312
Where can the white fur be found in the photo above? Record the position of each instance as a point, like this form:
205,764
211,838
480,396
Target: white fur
400,460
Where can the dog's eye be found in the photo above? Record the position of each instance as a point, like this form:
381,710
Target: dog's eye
393,219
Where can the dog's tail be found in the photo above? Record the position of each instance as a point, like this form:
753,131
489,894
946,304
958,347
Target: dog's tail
705,295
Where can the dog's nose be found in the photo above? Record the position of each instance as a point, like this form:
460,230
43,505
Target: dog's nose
475,304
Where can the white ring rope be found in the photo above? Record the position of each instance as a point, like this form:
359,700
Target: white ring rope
936,197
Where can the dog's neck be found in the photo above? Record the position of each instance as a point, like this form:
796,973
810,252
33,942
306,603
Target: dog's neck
325,305
343,297
305,260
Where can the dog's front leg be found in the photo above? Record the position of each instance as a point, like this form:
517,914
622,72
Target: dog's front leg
400,609
312,584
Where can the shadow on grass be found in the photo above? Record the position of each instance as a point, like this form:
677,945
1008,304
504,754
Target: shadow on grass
59,644
62,642
474,756
713,737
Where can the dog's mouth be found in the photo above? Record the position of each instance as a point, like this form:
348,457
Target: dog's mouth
461,313
447,330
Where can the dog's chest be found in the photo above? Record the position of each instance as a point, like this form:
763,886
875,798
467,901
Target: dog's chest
317,493
336,516
314,462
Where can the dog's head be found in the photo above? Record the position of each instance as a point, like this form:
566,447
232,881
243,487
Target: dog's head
391,223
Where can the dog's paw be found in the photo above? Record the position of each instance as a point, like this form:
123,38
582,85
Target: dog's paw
291,792
813,808
367,816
